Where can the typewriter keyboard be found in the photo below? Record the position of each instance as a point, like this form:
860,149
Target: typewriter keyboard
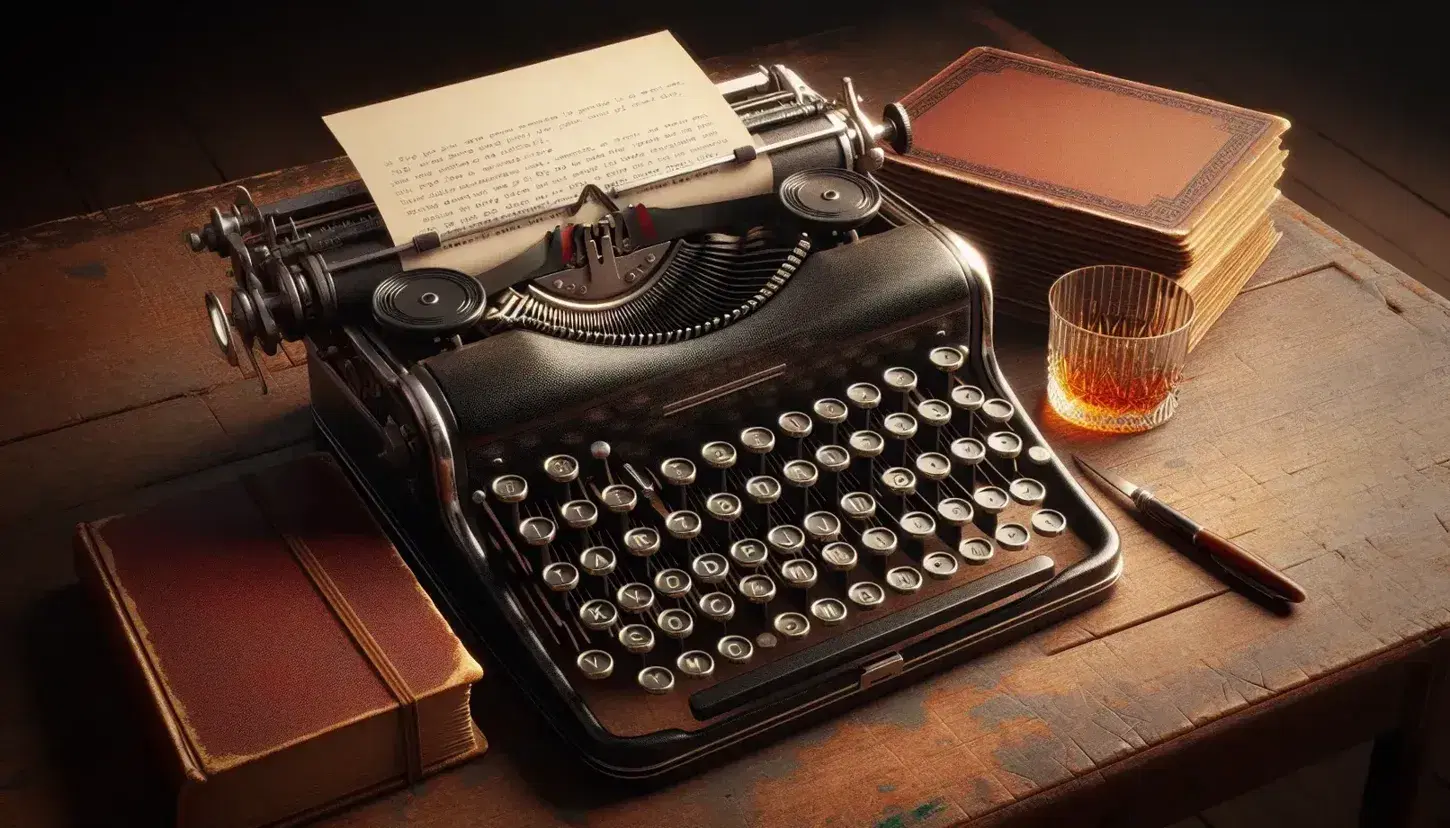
660,576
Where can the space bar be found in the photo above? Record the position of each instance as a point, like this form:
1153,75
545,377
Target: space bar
871,638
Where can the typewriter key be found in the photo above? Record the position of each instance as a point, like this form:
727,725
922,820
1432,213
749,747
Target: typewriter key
696,664
939,565
723,507
990,499
792,625
763,489
678,471
799,573
672,583
866,594
766,640
1040,455
635,597
975,550
758,440
917,525
735,648
858,506
597,560
968,451
656,680
904,579
579,514
879,540
787,539
757,589
794,424
968,397
1027,491
866,444
636,638
899,481
642,541
955,511
710,568
900,380
717,606
828,611
683,524
1004,444
718,455
598,614
1012,536
1049,523
619,498
510,488
560,577
934,413
561,468
839,556
595,664
864,395
933,466
899,426
822,527
997,410
748,553
947,359
800,473
833,458
676,623
537,531
830,410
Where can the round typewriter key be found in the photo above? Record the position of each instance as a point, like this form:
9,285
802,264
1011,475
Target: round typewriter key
822,527
595,664
757,589
934,413
635,597
866,444
598,614
1004,444
800,473
560,577
968,451
696,664
683,524
792,625
1027,491
735,648
917,525
955,511
677,471
757,440
947,358
975,550
1040,455
636,638
672,583
899,379
968,397
899,426
786,539
830,410
991,499
561,468
795,424
833,458
676,623
718,455
656,680
839,556
723,506
904,579
748,552
1012,536
866,594
828,611
717,606
933,466
997,410
939,565
619,498
579,514
642,541
710,568
537,531
510,488
858,506
597,560
879,540
799,573
864,395
1049,523
763,489
899,481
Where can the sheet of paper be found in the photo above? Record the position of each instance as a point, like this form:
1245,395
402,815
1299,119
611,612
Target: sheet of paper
509,144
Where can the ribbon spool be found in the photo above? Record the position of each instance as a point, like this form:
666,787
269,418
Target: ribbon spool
831,199
430,301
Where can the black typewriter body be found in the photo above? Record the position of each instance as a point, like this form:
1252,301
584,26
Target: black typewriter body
763,472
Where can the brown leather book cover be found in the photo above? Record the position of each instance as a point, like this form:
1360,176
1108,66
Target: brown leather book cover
288,657
1079,141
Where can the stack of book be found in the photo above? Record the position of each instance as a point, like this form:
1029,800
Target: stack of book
1046,168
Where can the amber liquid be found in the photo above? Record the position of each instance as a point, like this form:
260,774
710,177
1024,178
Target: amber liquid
1100,393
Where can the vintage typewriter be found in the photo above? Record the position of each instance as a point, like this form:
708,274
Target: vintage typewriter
694,474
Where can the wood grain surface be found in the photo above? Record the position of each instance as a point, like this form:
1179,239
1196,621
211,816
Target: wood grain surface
1312,431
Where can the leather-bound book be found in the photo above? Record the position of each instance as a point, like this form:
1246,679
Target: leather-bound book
288,658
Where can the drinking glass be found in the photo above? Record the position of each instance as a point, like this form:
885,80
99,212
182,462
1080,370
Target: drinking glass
1116,347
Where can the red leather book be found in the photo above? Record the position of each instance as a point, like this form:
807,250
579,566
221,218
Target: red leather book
288,658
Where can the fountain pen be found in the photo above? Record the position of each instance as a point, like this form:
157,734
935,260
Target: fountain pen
1234,559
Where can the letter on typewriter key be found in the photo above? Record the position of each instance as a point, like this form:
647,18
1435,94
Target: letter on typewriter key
1012,536
955,511
636,638
787,540
672,583
975,550
748,553
879,540
823,527
598,560
723,506
696,664
642,541
758,440
655,679
619,498
579,514
939,565
866,594
947,359
968,451
510,488
560,577
757,589
830,411
595,664
710,568
718,455
917,525
1004,444
799,573
933,466
900,380
598,614
1049,523
801,473
683,524
717,606
561,468
839,556
900,426
1027,491
635,597
864,395
828,611
899,481
904,579
676,623
537,531
990,499
763,489
997,410
859,506
795,424
833,458
934,413
792,625
968,398
866,444
735,648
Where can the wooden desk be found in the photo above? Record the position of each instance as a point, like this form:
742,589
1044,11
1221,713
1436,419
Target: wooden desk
1313,429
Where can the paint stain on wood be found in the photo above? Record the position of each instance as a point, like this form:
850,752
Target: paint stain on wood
916,816
89,270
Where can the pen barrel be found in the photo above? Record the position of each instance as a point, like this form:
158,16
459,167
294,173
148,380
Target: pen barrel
1247,565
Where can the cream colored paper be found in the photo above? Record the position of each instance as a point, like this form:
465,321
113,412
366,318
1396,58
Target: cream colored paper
509,144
